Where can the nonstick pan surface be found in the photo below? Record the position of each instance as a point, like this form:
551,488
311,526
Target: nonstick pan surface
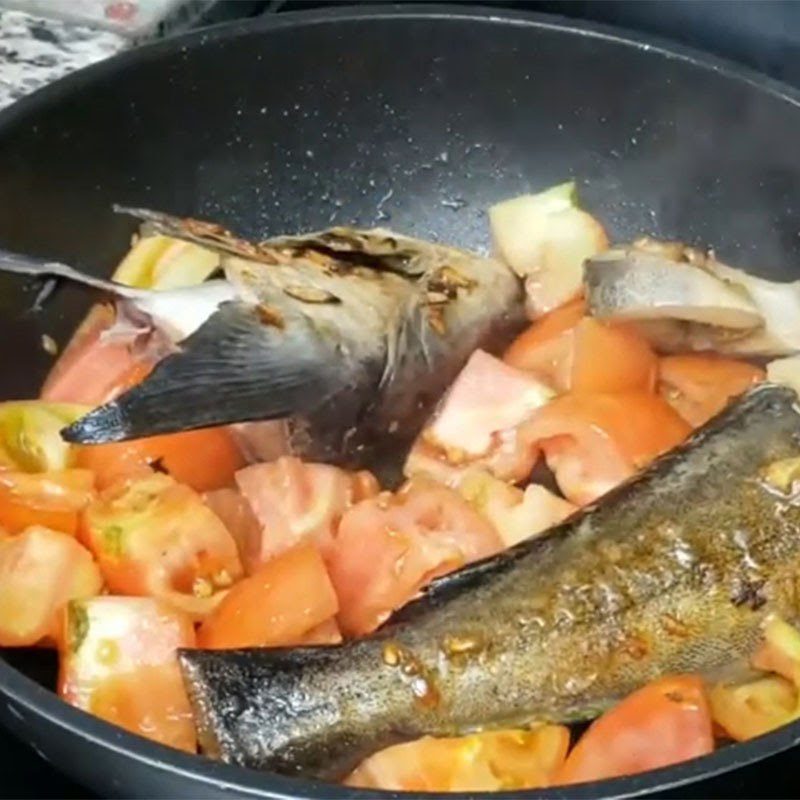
416,118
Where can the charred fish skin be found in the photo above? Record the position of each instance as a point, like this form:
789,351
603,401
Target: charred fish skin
387,322
674,571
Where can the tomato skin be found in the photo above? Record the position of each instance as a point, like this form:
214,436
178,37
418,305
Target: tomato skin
118,661
491,761
593,442
611,358
154,536
389,547
40,571
90,370
279,605
51,499
204,459
698,387
666,722
237,516
295,501
543,348
575,353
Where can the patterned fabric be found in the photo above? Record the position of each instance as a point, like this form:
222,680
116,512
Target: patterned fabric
35,51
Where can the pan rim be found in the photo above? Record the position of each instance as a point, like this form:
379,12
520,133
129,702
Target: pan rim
25,696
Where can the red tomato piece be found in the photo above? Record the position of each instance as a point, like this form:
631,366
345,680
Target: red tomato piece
91,370
203,459
515,514
294,501
481,762
390,546
154,536
572,352
593,442
477,424
279,605
610,357
237,516
544,348
52,499
40,571
664,723
488,397
118,661
698,387
326,633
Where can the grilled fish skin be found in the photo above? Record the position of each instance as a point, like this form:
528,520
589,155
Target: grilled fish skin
673,571
351,335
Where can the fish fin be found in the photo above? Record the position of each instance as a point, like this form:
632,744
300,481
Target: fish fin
238,366
42,268
206,234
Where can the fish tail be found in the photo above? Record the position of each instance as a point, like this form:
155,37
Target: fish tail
278,708
238,366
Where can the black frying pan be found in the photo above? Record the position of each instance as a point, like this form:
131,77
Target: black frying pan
418,118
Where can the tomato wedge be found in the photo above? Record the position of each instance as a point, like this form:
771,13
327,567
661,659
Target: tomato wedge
477,424
52,499
611,357
592,442
544,347
390,546
90,370
237,516
698,387
279,605
572,352
750,709
666,722
296,501
154,536
481,762
204,459
40,571
515,514
118,661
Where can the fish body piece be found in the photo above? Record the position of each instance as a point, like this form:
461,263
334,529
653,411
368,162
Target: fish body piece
674,571
683,298
348,336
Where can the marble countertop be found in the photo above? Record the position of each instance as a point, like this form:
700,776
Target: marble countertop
35,51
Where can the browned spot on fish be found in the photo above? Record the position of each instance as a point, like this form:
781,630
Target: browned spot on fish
462,645
222,236
321,259
391,654
675,697
436,319
311,294
448,281
748,593
425,692
635,647
436,298
674,626
270,316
